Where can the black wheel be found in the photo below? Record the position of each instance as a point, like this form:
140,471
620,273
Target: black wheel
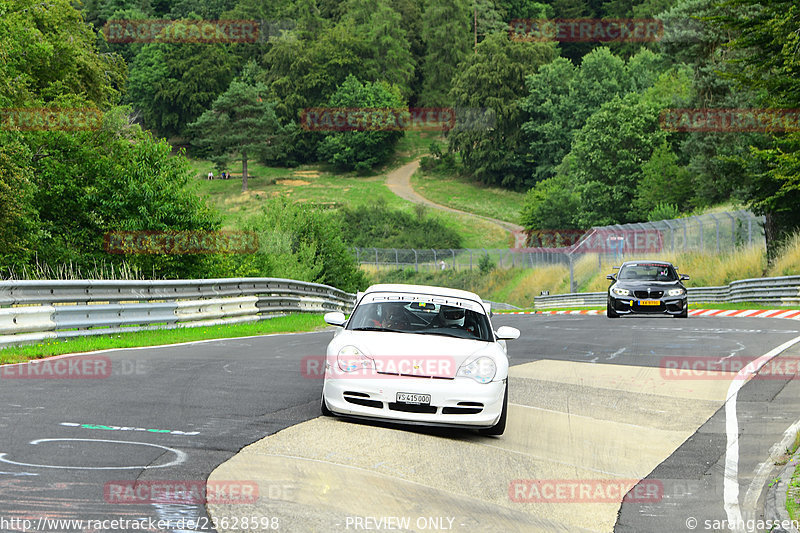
500,427
685,314
610,313
324,408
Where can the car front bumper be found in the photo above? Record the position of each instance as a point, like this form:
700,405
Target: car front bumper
670,305
459,402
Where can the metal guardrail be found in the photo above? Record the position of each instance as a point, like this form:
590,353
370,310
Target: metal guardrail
784,290
32,311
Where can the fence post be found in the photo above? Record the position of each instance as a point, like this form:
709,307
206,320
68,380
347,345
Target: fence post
376,258
416,263
573,288
716,223
454,258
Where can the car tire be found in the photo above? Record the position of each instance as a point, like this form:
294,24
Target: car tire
500,427
685,314
323,408
610,313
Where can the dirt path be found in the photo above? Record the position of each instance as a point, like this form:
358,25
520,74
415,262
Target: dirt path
399,182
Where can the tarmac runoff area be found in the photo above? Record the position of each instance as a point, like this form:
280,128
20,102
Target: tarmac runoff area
579,436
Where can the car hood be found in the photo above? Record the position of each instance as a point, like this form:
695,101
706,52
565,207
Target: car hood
638,285
389,349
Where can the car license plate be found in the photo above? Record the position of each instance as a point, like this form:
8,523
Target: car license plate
649,302
409,397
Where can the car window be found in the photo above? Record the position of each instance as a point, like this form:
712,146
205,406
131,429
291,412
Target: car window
422,318
648,272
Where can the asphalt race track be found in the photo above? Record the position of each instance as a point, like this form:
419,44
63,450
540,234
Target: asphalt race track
591,404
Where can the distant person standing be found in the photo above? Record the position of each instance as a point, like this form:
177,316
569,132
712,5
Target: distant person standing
224,175
211,175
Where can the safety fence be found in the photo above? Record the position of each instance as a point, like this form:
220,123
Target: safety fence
32,311
784,290
712,232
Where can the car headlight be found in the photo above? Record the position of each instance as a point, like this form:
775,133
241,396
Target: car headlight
620,292
351,359
675,292
481,370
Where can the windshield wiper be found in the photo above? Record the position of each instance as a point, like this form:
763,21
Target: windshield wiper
375,328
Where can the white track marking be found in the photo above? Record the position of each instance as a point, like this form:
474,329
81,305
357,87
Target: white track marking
731,479
180,457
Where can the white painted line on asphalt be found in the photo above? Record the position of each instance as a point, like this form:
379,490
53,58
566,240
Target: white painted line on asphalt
731,479
180,457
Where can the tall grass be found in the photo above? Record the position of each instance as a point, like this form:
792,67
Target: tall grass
787,262
519,286
70,271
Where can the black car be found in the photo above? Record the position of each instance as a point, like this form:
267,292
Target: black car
647,287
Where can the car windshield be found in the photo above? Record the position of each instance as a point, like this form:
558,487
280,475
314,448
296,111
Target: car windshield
648,272
420,317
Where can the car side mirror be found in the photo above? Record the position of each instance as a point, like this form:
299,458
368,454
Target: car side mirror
611,277
507,333
684,276
335,318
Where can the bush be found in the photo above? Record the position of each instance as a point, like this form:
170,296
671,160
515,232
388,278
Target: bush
663,211
381,227
486,265
297,242
361,150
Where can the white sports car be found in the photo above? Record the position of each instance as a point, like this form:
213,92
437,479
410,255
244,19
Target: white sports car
419,355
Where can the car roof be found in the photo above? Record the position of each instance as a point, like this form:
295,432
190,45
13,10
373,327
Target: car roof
423,289
652,261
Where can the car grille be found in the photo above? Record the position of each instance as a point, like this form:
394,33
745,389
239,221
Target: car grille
413,375
463,408
413,408
644,295
360,398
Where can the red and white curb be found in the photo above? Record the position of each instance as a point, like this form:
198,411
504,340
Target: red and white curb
749,313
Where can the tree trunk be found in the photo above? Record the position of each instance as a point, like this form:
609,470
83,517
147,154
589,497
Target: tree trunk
244,171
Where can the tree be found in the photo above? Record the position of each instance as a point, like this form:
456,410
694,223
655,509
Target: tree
172,84
446,30
550,204
494,79
18,221
560,98
47,51
361,150
241,120
303,243
767,41
607,156
663,181
379,25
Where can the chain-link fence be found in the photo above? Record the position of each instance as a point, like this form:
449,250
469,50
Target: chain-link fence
711,232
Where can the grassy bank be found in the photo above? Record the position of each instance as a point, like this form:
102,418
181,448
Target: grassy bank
460,193
519,286
284,324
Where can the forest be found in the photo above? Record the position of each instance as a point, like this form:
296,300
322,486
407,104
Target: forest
579,125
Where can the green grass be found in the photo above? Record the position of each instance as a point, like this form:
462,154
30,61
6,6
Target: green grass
318,185
793,492
284,324
460,193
